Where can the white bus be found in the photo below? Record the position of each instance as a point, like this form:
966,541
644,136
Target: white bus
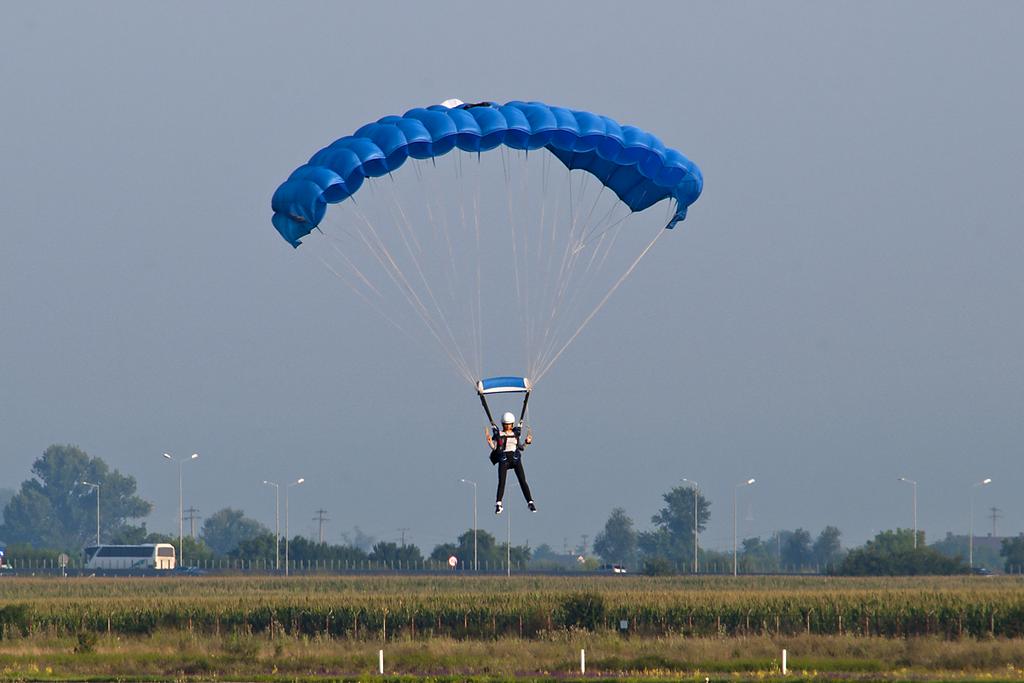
144,556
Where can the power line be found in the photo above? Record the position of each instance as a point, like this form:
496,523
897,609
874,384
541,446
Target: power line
321,517
994,515
191,516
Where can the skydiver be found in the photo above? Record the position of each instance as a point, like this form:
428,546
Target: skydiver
507,446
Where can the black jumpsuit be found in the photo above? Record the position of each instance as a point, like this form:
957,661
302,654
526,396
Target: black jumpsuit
512,459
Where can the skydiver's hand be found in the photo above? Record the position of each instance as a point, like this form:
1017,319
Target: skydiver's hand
529,438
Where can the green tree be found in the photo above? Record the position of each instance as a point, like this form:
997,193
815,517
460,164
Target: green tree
892,553
758,555
487,549
796,550
54,510
490,553
985,555
131,535
301,550
226,528
518,554
5,498
1013,552
617,542
262,548
827,550
392,553
672,538
443,551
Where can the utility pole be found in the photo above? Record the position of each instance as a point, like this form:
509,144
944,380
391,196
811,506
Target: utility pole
994,515
403,530
191,517
583,548
321,517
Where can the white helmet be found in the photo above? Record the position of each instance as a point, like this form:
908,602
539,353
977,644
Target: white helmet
508,418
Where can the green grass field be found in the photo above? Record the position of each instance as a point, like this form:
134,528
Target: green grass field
526,628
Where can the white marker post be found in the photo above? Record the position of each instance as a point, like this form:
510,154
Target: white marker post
381,664
784,670
583,661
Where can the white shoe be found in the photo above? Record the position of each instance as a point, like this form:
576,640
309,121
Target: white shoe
498,508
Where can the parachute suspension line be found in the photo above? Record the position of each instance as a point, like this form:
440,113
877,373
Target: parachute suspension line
602,249
564,276
577,245
549,279
408,235
361,295
475,324
479,318
515,249
578,281
406,231
393,271
600,305
437,235
590,236
334,242
525,231
402,283
383,261
531,326
474,352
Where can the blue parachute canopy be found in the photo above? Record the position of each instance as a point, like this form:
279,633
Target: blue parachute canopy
633,163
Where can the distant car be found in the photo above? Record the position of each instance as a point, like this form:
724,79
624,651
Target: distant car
189,571
981,571
612,569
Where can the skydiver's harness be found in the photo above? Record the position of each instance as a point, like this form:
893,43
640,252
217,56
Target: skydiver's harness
497,434
502,448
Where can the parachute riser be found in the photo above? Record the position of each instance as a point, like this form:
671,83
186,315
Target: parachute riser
487,409
522,413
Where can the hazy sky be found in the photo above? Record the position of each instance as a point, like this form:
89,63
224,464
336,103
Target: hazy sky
843,305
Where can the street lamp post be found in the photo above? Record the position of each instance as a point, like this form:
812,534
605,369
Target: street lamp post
467,481
914,484
288,486
277,524
970,543
97,487
696,492
735,544
181,512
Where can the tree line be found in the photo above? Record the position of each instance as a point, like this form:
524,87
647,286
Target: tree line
55,512
669,547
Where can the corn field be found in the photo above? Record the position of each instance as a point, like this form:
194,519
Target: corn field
384,608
